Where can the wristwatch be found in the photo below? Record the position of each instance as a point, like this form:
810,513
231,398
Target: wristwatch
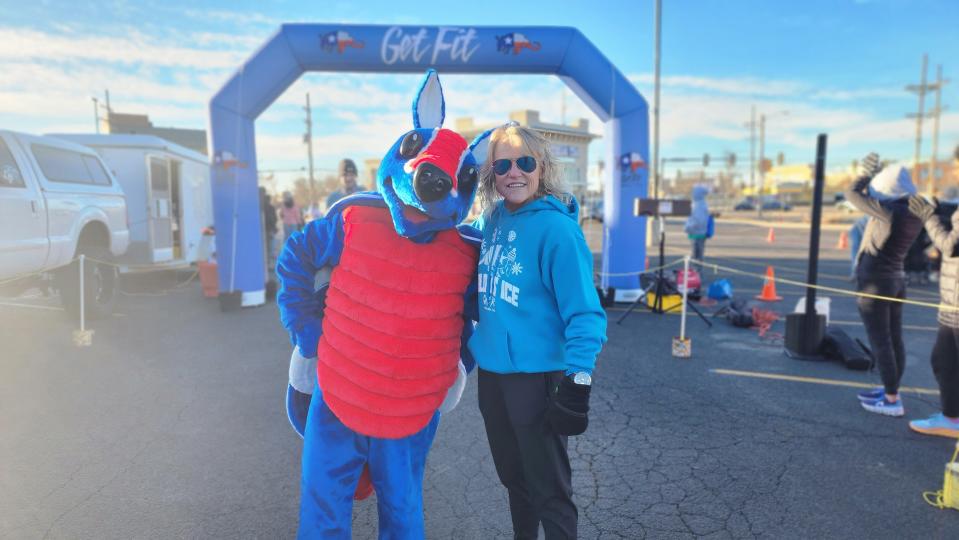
583,378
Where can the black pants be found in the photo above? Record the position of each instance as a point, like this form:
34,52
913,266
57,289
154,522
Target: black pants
945,364
530,459
883,322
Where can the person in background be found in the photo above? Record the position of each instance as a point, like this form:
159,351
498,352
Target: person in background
540,329
945,353
855,240
697,225
291,215
347,174
882,194
269,226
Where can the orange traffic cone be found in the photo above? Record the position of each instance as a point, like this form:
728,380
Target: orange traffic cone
771,237
843,242
768,293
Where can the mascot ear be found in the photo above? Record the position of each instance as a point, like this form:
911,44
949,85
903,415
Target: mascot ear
480,147
429,108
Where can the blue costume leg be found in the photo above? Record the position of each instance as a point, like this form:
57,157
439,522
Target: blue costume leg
333,458
396,468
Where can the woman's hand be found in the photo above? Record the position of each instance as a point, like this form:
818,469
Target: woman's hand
568,411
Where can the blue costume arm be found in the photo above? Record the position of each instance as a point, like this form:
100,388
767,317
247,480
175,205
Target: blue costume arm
471,235
301,307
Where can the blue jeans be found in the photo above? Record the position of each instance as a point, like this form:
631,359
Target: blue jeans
699,250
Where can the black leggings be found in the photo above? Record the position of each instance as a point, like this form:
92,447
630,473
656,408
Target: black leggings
531,460
945,364
883,322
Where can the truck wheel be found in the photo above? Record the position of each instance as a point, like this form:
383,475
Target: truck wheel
100,282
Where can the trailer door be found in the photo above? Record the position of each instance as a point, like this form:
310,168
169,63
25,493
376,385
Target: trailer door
159,209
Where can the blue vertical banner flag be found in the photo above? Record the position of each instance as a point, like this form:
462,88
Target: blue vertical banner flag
299,48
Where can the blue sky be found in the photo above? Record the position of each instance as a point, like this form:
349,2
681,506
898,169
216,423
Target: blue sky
837,67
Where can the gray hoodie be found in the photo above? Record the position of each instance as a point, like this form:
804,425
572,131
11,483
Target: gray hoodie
891,229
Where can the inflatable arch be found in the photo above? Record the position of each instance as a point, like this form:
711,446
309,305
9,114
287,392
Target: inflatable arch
298,48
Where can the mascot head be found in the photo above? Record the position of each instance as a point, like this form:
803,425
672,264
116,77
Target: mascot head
429,177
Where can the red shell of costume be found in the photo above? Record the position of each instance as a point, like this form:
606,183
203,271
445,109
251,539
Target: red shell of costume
392,325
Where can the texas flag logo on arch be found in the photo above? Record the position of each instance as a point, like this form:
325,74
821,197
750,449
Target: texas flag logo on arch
515,42
338,40
631,161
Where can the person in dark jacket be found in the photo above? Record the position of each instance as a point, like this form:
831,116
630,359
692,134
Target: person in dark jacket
889,234
945,353
269,226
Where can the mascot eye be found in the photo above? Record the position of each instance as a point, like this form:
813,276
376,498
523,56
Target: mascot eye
411,145
466,180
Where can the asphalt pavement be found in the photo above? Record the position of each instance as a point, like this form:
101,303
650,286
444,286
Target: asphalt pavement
172,425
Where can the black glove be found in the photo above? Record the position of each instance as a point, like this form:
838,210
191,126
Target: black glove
567,411
869,166
922,208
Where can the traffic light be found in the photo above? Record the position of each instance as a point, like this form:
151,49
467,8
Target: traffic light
731,160
705,160
765,165
780,158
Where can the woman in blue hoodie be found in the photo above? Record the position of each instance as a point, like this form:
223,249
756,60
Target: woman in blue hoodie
540,328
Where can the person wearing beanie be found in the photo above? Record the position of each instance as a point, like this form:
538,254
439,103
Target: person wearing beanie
882,194
347,174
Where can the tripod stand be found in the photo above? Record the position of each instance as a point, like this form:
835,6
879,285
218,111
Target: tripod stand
660,285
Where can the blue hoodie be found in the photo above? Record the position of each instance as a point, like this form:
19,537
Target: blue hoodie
538,307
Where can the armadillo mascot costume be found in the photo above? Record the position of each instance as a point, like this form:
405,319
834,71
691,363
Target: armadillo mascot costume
375,297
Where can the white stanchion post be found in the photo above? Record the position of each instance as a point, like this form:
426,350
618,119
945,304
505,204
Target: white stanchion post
83,337
682,324
82,310
682,347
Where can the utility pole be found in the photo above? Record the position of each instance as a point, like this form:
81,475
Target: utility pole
762,163
96,114
657,15
752,147
920,89
935,113
562,106
308,139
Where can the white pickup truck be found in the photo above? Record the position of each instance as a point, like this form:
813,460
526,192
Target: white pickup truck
58,200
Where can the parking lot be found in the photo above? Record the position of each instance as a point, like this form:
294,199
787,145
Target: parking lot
172,425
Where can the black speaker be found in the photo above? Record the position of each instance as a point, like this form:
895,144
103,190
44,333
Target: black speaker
804,335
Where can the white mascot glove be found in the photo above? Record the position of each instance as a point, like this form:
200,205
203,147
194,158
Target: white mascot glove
302,372
455,392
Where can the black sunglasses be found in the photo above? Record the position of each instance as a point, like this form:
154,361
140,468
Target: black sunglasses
527,164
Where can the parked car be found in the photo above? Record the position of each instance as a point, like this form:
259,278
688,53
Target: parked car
775,204
748,203
58,200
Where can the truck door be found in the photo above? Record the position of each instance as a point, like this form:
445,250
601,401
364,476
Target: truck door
23,215
159,210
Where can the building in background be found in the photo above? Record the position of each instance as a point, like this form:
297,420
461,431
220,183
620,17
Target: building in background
139,124
570,144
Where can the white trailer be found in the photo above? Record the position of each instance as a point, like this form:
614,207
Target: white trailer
169,200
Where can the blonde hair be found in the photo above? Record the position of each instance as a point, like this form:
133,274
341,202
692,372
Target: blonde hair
538,146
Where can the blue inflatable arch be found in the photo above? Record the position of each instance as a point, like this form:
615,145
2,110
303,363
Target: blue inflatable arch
298,48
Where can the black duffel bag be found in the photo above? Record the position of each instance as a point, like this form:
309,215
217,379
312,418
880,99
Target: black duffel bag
840,346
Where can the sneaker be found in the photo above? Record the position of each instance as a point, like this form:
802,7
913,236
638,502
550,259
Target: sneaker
882,406
936,424
872,395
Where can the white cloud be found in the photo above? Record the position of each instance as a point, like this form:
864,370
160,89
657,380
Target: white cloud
132,49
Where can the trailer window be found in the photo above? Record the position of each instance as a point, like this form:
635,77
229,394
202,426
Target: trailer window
60,165
9,171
